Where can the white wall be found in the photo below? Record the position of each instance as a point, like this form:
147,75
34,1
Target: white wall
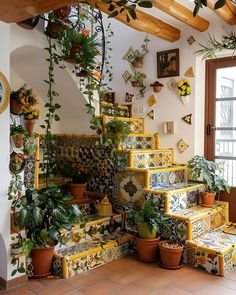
169,106
4,161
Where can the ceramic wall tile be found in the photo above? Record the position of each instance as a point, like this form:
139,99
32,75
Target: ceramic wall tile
29,172
164,179
138,142
152,160
200,227
177,201
111,110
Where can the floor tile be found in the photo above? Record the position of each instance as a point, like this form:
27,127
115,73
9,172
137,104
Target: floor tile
80,281
170,291
126,276
57,289
103,287
216,289
135,288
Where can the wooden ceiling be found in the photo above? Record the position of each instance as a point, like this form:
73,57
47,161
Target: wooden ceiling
17,10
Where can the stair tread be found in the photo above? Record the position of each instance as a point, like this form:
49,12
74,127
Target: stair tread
218,240
97,244
158,169
195,212
176,187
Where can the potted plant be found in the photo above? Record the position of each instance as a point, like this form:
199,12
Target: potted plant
117,131
170,254
184,90
23,245
31,114
136,59
211,174
17,162
58,22
156,86
18,133
43,212
147,220
137,79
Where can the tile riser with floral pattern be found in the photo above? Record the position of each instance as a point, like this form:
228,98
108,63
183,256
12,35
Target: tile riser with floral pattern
164,179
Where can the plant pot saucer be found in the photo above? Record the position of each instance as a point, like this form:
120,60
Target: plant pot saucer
208,206
170,267
42,275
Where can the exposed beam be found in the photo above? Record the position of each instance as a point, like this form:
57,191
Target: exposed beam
144,22
226,12
232,6
182,13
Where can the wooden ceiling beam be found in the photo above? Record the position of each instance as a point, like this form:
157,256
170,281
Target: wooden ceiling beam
144,22
227,12
182,13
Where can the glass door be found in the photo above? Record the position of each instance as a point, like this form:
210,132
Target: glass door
220,120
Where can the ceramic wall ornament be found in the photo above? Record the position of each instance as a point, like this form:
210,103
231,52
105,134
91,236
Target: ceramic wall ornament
191,40
151,114
188,119
184,99
129,97
169,127
128,53
171,84
17,162
189,72
4,92
182,145
152,101
126,76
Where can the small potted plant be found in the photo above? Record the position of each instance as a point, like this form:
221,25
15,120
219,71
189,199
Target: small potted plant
18,133
211,174
184,90
147,220
31,114
156,86
117,131
43,212
136,59
137,79
170,254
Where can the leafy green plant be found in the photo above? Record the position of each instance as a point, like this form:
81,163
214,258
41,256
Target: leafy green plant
147,213
43,212
227,42
201,3
210,173
17,130
138,76
117,131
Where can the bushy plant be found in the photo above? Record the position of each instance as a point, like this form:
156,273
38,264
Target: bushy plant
209,172
184,88
117,131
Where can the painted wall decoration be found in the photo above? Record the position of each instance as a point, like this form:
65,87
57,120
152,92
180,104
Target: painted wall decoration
191,40
151,114
169,127
168,63
188,119
128,53
128,97
189,72
4,92
126,76
182,145
172,84
152,101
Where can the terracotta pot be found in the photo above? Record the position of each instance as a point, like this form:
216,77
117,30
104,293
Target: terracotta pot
15,107
136,84
54,30
18,140
29,125
156,88
137,63
170,257
208,198
63,12
73,51
42,261
147,248
82,74
77,190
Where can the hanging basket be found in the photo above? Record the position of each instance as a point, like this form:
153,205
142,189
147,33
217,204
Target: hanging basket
18,140
73,51
136,84
138,63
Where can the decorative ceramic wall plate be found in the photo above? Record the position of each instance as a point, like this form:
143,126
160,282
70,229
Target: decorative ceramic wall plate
151,114
4,92
188,119
126,75
17,162
128,97
189,72
152,100
172,84
182,145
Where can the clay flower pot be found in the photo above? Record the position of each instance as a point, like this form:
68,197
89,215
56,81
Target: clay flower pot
136,84
18,140
170,254
15,107
77,190
137,63
29,125
63,12
207,198
42,261
156,86
147,248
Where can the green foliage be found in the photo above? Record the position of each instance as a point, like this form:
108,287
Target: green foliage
43,212
210,172
15,191
148,214
117,131
138,76
17,130
227,42
201,3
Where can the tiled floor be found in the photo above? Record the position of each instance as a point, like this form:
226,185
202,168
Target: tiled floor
129,276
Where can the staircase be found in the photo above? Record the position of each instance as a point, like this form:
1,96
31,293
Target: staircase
207,235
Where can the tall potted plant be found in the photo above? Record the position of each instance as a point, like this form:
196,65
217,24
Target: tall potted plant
147,221
43,212
117,131
211,174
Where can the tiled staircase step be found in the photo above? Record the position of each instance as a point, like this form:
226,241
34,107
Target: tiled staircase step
140,141
151,159
110,109
214,252
163,177
177,196
90,254
94,227
136,124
